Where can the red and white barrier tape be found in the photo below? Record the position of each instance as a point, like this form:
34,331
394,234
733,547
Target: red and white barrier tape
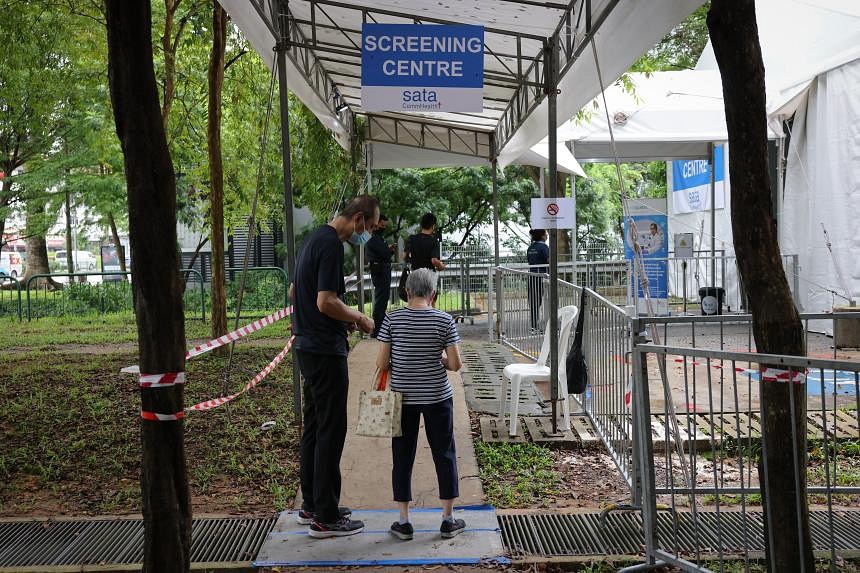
215,402
715,366
777,375
156,417
161,380
239,333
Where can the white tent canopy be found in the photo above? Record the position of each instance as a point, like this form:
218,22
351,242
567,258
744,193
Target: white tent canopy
669,115
538,156
800,39
324,66
389,156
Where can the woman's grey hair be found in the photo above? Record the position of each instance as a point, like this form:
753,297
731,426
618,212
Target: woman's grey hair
421,283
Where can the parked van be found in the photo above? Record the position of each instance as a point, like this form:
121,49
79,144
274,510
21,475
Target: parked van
84,260
11,264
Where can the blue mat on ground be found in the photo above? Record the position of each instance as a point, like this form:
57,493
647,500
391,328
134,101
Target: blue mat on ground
289,543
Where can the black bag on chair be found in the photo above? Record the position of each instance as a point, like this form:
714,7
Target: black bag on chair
576,368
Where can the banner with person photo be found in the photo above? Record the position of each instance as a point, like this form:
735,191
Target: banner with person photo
646,229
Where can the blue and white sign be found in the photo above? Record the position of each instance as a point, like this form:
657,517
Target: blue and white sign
422,67
691,184
647,228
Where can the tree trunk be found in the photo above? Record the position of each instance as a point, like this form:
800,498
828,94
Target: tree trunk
4,202
70,248
776,324
120,248
37,249
157,292
216,171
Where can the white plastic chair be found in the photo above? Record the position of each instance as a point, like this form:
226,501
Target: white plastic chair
540,371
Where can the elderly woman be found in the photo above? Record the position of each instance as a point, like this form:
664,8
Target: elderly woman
413,340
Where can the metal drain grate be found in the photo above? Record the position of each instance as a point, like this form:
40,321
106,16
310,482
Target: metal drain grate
232,540
560,535
120,541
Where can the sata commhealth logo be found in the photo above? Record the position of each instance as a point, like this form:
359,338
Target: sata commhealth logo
421,99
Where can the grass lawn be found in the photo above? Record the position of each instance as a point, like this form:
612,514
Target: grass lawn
69,425
44,333
516,475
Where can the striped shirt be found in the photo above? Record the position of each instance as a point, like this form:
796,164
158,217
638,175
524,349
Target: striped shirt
417,338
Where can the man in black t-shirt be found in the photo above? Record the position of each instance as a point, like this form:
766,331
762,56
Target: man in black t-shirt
422,249
320,326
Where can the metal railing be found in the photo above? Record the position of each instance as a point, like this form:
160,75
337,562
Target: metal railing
700,451
607,343
462,288
10,296
265,288
99,298
693,443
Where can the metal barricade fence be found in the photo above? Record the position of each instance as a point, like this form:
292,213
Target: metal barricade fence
103,297
612,279
10,297
462,289
607,345
699,445
519,309
266,290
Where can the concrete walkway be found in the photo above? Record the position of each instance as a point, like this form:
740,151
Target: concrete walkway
366,462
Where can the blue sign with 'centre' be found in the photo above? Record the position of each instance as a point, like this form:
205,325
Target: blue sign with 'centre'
419,67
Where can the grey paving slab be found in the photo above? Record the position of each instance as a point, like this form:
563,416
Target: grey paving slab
540,429
486,399
288,544
494,430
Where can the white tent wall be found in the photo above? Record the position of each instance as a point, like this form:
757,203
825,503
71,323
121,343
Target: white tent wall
822,185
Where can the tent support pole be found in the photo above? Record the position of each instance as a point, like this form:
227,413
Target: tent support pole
289,229
712,156
359,271
494,177
551,51
497,277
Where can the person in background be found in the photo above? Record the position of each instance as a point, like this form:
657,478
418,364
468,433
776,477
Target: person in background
422,249
538,259
379,258
419,343
321,320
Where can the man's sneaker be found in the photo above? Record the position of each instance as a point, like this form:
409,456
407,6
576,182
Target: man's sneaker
402,531
305,517
451,529
340,528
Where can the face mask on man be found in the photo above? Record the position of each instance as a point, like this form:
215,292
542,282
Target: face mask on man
359,239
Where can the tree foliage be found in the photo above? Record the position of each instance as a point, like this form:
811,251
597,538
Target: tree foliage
460,197
41,92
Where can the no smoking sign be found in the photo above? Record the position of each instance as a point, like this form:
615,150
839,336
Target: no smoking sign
559,213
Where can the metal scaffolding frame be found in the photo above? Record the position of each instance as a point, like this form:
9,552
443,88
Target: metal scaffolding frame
311,34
